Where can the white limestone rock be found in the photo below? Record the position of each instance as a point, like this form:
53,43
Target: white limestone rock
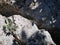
24,32
4,40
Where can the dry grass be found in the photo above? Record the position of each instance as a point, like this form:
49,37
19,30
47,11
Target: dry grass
9,10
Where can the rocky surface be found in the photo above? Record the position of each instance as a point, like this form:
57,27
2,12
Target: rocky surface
47,11
26,32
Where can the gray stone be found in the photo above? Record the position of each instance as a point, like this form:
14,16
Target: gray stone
24,32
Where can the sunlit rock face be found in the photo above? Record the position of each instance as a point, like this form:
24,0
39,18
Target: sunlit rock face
41,37
26,31
4,40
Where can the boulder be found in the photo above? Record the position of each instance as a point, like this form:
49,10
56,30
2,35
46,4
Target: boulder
26,31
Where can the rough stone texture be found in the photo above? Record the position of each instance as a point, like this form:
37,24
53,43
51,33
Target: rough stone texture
42,9
25,31
4,40
49,12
